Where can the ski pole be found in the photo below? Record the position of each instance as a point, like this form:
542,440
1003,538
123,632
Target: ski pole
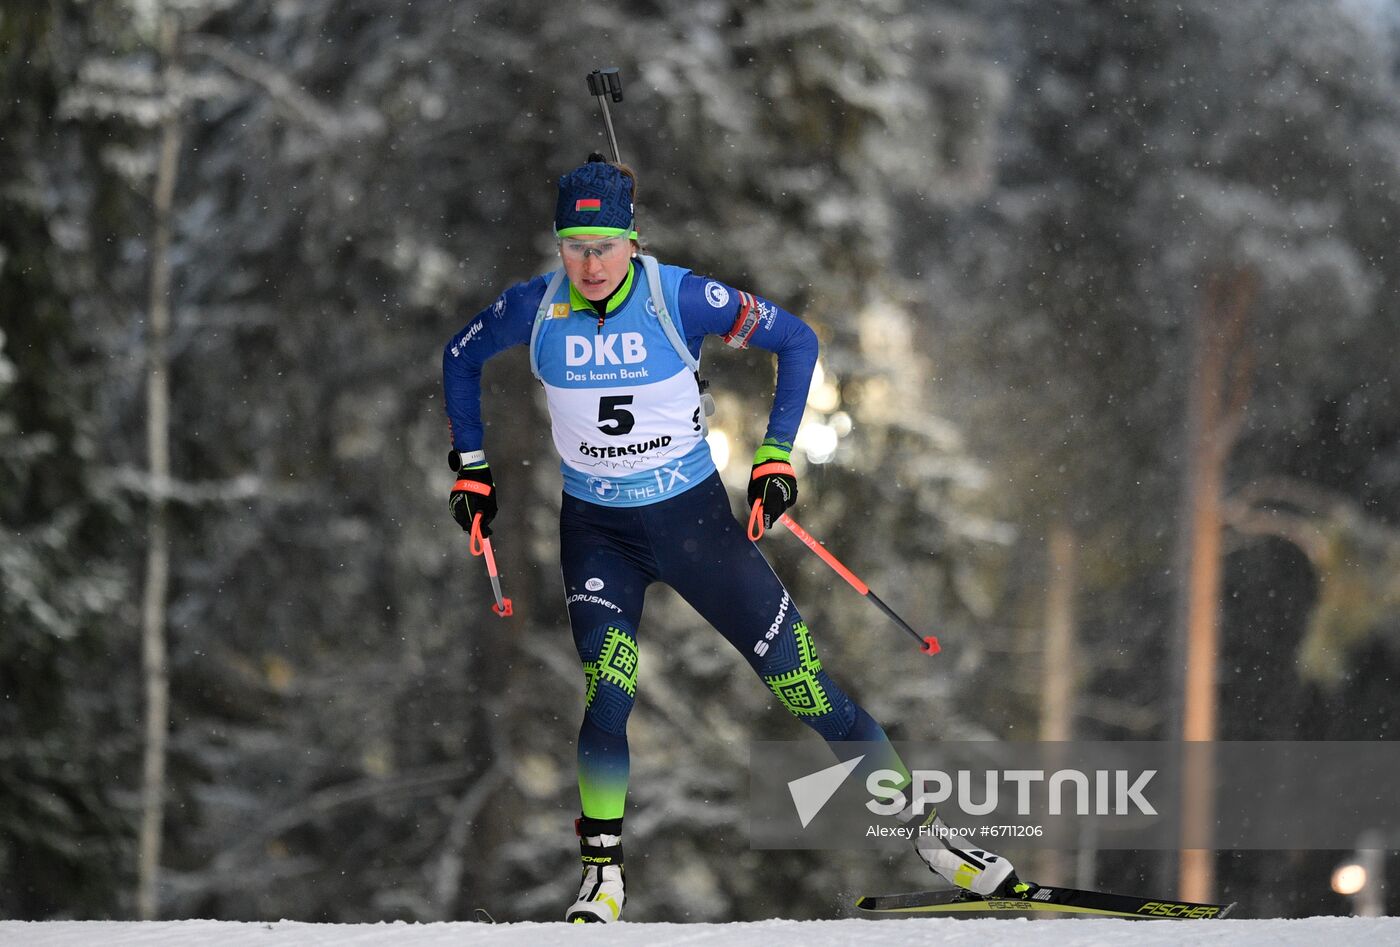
481,545
928,644
607,84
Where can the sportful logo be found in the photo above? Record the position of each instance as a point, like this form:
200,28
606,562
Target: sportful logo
471,334
716,295
761,648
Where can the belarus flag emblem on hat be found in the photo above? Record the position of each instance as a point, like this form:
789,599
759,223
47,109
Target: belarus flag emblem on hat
587,203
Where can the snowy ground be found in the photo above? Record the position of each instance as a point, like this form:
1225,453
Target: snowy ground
1074,932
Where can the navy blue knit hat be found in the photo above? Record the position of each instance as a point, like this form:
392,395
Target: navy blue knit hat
595,199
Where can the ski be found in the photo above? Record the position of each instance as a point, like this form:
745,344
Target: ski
1041,900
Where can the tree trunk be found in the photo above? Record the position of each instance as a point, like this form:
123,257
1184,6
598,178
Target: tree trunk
1220,379
153,606
1058,684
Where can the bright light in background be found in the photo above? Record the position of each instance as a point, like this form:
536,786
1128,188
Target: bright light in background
719,448
818,441
823,395
1361,877
1348,879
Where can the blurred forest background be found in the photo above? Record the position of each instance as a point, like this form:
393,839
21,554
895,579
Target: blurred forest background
1107,293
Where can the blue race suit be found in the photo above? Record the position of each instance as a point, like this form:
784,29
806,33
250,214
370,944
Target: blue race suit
643,502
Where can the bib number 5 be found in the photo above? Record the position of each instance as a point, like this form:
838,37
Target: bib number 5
613,418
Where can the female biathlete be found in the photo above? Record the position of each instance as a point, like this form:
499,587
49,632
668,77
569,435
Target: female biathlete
615,339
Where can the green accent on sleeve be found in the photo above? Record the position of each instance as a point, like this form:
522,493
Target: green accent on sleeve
771,452
481,466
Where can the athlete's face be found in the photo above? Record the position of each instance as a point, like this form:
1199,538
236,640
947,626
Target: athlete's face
595,265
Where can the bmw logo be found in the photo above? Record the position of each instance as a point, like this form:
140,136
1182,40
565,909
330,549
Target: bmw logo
602,489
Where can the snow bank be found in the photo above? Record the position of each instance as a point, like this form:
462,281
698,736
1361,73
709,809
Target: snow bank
1077,932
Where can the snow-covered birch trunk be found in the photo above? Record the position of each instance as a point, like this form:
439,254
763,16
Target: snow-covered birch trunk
154,595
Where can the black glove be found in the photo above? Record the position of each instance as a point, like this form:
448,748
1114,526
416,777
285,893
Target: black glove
773,481
473,493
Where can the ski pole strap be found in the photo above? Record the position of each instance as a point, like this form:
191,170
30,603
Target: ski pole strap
477,541
756,521
480,489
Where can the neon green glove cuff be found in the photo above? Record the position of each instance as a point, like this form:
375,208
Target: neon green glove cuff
771,452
